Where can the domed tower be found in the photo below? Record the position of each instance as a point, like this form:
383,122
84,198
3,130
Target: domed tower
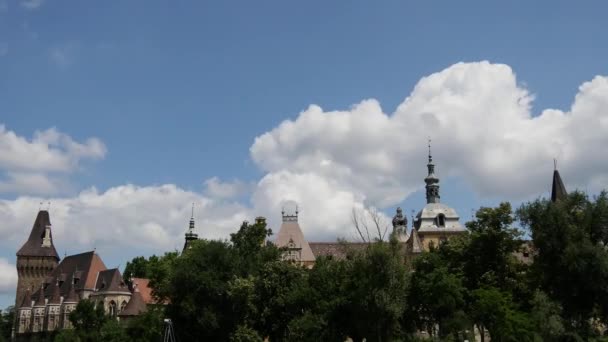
436,222
37,258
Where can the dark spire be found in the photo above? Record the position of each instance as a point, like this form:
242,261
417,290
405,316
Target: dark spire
71,297
191,235
27,299
432,182
40,301
40,242
55,296
558,190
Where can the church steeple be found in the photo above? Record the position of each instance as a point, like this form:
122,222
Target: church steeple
191,235
558,190
432,182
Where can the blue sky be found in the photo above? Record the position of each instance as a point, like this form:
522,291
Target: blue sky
176,93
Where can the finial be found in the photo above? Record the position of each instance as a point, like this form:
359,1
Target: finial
192,210
48,206
430,157
40,206
296,210
554,164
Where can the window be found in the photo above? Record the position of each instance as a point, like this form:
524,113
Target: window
123,306
440,220
112,309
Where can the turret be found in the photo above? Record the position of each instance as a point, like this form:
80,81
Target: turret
37,258
432,182
190,235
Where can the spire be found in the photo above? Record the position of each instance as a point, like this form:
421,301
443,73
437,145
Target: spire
40,242
191,235
40,301
71,297
432,182
55,296
27,299
558,190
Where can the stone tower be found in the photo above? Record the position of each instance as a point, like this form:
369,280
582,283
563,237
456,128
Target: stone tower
37,258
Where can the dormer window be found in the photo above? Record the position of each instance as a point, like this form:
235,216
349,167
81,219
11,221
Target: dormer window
440,220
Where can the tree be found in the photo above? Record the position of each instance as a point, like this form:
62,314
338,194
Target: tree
571,264
202,283
148,326
370,224
497,313
87,320
155,268
7,320
436,297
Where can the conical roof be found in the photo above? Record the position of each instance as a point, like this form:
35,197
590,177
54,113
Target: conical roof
413,243
135,306
71,297
40,300
33,245
290,231
55,296
27,299
558,190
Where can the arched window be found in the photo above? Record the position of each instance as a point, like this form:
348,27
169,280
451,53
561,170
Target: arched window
123,305
440,220
112,308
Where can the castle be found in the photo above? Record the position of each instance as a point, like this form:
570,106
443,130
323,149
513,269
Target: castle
49,288
435,222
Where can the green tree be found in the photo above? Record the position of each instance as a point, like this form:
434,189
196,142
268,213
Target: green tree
87,320
155,268
7,320
112,331
148,326
496,312
571,264
436,297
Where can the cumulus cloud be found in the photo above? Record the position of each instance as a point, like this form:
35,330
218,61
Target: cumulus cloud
32,166
479,116
216,188
8,277
482,126
123,219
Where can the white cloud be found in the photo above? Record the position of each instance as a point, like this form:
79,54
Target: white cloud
216,188
478,115
122,219
33,166
31,4
482,127
8,277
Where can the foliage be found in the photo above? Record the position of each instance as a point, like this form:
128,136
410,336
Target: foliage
155,268
7,318
87,320
571,265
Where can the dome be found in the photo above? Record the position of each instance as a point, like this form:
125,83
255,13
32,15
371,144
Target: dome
438,217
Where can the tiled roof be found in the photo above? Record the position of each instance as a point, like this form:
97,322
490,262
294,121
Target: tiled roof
143,285
135,306
83,266
55,296
27,300
33,245
337,250
111,280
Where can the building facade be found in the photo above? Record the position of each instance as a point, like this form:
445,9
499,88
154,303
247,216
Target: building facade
48,288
